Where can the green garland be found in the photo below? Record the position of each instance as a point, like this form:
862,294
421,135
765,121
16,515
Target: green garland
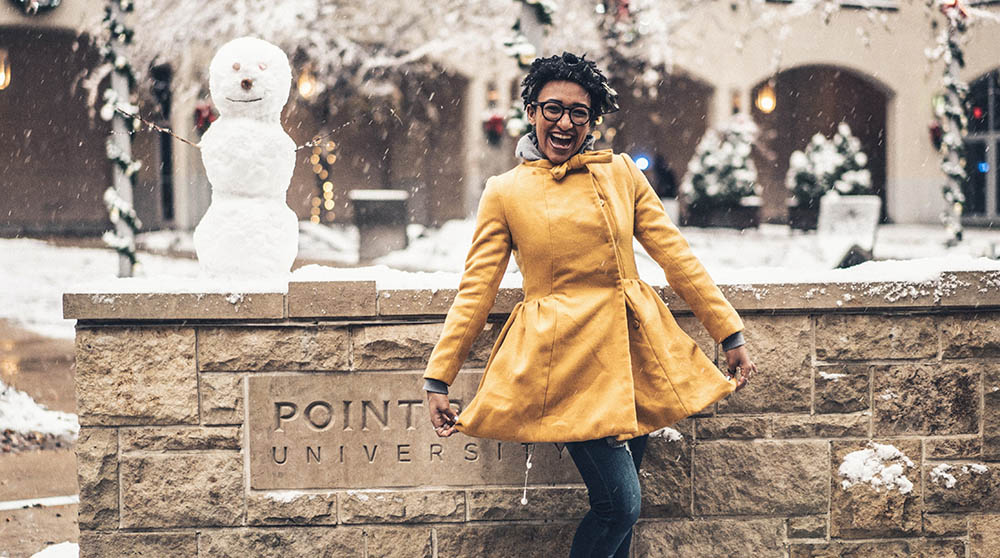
950,113
120,212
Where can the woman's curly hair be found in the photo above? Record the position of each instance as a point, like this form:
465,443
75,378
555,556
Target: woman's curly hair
570,67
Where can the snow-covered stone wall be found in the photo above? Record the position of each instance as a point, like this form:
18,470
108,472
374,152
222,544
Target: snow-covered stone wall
872,429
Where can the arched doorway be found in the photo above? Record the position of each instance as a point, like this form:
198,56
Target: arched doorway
416,144
52,154
813,100
982,189
665,128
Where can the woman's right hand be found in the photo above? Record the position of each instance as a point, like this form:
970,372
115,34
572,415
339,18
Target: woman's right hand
443,417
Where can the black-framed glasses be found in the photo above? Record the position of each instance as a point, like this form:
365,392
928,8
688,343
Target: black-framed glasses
553,111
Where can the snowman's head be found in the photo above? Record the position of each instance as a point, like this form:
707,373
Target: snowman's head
250,78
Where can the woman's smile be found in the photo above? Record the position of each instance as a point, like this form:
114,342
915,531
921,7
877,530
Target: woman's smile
560,141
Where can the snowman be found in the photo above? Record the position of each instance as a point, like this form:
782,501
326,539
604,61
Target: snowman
248,232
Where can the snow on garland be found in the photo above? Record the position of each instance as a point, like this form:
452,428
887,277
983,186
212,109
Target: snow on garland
117,198
949,110
721,173
828,164
544,9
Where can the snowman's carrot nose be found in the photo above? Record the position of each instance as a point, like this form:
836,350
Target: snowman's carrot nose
247,84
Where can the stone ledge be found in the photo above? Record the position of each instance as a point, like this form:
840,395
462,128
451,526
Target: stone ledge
322,299
173,306
346,299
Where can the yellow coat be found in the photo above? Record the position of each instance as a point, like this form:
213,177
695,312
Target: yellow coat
592,351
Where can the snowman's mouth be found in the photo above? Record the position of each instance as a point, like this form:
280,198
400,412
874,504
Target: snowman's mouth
244,100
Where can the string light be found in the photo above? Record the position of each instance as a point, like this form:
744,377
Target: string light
323,203
4,70
307,83
767,100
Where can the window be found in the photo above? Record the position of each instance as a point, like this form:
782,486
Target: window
982,188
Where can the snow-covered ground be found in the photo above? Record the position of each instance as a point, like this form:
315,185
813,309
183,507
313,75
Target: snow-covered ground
36,273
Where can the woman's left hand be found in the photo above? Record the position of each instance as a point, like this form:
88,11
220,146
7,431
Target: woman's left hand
740,366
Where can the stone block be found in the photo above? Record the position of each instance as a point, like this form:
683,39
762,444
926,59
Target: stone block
781,347
975,335
856,425
807,527
335,299
761,477
926,399
864,511
221,398
946,525
703,538
739,428
991,413
291,508
956,487
181,438
415,302
203,490
97,473
842,388
871,336
504,504
685,427
398,542
173,306
953,448
409,346
401,506
95,544
697,332
917,548
265,349
136,376
510,539
665,476
984,536
505,302
314,542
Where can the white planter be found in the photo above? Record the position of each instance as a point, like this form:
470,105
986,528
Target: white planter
673,209
846,221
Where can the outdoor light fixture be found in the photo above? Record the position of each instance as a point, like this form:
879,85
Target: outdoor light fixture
307,83
4,69
642,162
766,99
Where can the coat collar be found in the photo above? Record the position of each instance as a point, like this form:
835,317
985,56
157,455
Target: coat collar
578,161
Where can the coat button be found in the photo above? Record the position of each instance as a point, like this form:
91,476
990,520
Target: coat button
635,324
602,203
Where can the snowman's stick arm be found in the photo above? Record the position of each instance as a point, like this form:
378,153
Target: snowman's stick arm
315,141
157,127
312,143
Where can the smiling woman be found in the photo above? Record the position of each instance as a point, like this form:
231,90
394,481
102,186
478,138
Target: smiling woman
592,357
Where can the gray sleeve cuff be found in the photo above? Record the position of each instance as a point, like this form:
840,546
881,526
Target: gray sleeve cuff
435,386
733,341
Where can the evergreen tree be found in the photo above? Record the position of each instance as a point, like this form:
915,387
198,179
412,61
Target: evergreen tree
721,173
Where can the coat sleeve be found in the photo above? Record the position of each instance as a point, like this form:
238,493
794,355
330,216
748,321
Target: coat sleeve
484,268
687,277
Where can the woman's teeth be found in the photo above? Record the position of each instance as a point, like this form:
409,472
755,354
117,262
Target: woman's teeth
560,142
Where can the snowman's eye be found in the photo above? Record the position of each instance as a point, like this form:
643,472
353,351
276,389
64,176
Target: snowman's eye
236,66
262,66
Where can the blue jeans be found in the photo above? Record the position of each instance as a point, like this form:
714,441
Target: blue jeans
612,478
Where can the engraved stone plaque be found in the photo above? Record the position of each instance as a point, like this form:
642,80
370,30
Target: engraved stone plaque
371,430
